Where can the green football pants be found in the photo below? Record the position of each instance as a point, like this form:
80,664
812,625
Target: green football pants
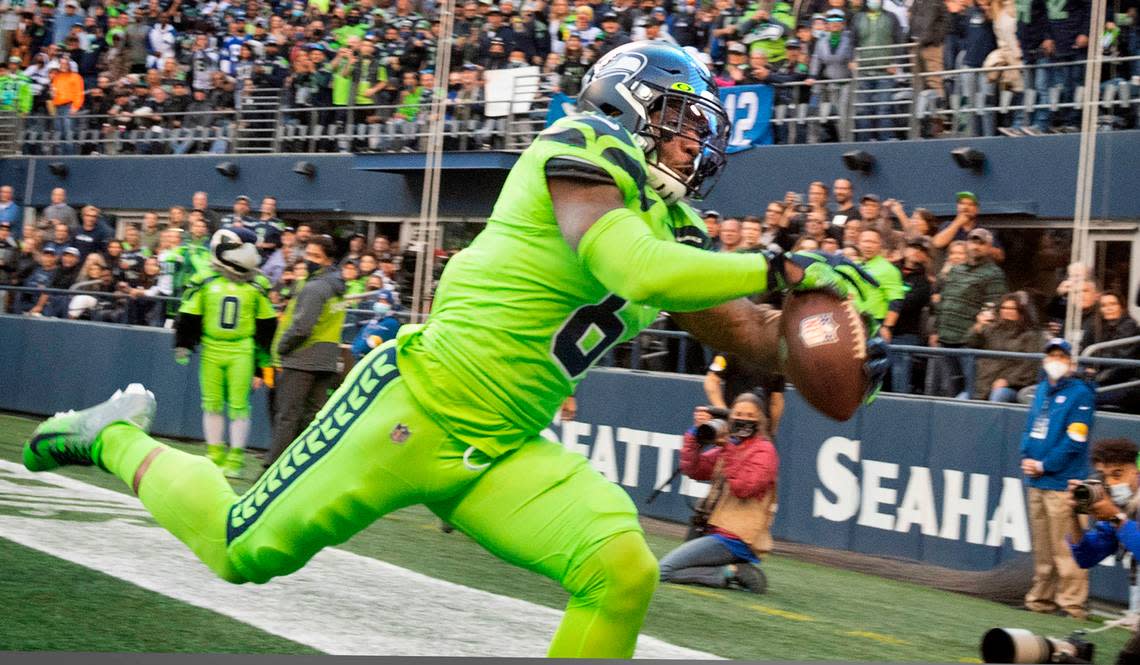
373,450
224,378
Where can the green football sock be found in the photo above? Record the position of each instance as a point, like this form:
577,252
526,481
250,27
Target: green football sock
186,494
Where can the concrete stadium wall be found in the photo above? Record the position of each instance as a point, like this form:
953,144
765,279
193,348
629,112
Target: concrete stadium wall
1032,177
156,183
1028,176
926,479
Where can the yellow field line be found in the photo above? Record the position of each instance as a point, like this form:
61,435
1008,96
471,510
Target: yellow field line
877,637
783,614
763,609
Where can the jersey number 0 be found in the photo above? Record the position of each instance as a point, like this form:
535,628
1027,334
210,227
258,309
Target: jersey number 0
228,316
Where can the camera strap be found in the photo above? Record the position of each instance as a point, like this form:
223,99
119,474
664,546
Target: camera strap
708,504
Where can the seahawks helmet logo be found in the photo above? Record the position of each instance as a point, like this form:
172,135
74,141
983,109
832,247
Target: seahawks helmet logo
617,63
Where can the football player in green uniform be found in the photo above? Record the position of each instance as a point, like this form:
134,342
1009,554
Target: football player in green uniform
580,253
227,310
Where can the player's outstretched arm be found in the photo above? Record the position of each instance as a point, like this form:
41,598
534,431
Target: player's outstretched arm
740,327
619,249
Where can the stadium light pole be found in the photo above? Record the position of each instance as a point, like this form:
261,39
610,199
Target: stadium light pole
1081,250
429,201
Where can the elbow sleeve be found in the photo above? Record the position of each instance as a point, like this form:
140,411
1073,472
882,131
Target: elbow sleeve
263,334
188,332
622,253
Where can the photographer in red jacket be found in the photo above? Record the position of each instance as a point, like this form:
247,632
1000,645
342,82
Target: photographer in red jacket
741,464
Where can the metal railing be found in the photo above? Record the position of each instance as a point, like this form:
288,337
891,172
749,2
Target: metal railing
380,129
257,126
1112,344
651,349
883,83
262,122
154,133
969,106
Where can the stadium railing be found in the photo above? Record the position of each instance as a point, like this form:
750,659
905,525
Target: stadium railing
263,122
207,131
1111,344
656,349
887,95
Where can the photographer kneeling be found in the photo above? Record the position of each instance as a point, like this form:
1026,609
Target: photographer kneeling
1113,505
741,503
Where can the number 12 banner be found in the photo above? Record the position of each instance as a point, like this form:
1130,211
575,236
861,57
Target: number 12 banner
749,107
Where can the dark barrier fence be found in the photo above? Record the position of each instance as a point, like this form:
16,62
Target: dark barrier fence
53,364
927,479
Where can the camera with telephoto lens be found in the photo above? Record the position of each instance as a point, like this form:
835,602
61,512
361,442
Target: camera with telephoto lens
709,432
1087,493
1017,645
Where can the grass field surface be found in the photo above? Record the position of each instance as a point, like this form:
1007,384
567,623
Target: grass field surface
168,603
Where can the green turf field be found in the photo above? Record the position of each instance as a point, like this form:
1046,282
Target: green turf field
811,612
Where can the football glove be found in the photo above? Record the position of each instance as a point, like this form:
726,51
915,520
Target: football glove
182,356
831,272
876,366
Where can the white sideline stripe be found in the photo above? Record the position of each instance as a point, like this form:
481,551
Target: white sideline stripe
341,603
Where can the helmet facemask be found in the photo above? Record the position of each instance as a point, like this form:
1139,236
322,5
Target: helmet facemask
680,117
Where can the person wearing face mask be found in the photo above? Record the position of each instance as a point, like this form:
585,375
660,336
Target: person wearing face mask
1114,520
309,347
383,326
1053,452
741,503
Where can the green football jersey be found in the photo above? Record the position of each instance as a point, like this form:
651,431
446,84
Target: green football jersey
229,309
517,319
196,257
877,301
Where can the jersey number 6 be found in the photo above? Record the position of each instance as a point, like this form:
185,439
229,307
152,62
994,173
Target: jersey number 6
588,333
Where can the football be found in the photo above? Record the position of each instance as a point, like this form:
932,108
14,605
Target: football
827,344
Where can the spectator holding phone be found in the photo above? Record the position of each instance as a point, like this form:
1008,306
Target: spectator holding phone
1012,327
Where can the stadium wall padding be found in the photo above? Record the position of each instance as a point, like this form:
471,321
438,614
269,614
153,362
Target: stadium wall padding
919,173
927,479
52,365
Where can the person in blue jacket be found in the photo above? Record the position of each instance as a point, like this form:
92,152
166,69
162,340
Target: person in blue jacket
1114,518
380,329
1053,452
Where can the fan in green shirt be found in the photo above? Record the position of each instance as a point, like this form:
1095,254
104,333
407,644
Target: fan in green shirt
885,301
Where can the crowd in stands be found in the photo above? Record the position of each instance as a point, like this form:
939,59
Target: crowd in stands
942,285
142,268
170,67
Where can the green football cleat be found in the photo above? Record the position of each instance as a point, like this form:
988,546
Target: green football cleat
235,461
216,452
73,437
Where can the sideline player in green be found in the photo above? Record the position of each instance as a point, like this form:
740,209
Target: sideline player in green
580,253
227,310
